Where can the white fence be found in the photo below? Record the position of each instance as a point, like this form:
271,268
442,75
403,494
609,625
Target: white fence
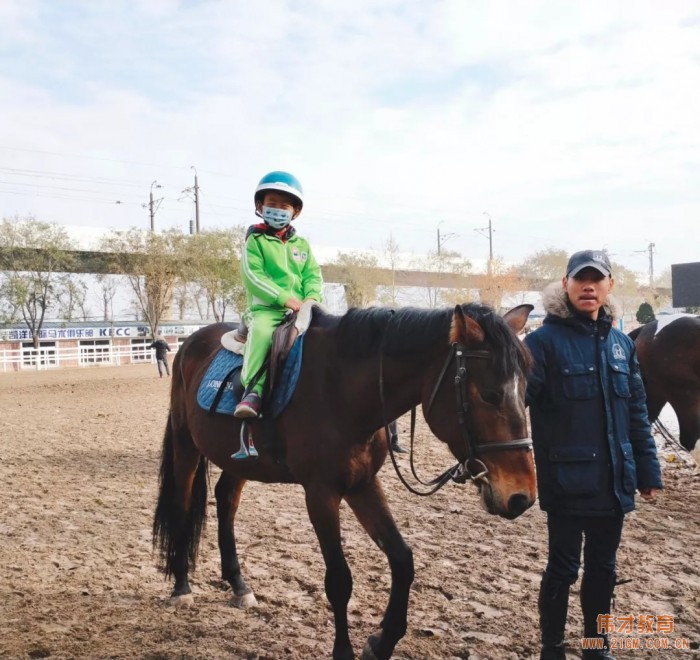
54,357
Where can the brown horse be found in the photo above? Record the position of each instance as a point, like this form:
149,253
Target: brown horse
465,366
670,365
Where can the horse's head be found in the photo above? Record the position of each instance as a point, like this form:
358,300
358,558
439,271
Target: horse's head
474,400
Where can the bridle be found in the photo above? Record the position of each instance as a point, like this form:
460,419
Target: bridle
471,467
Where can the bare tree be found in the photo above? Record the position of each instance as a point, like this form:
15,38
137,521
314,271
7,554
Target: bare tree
33,255
72,298
389,292
152,264
107,293
181,298
501,280
448,263
626,290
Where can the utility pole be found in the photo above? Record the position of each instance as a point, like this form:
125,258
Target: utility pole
194,191
196,200
481,230
152,205
650,252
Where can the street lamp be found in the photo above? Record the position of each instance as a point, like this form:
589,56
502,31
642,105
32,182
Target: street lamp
442,238
153,205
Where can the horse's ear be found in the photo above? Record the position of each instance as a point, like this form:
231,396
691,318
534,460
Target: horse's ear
465,329
516,318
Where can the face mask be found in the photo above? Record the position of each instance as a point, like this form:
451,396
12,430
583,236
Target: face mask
276,218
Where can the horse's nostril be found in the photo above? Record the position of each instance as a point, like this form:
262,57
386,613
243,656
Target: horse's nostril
517,504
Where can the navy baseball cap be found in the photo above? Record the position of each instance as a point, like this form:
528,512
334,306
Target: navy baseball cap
588,259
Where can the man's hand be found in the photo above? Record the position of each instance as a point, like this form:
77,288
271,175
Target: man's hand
649,494
293,303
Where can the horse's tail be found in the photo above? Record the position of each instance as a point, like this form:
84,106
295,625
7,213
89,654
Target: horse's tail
180,512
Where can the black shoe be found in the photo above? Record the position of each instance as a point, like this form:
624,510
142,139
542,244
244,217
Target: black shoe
249,407
396,447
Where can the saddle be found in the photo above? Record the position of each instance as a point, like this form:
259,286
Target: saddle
292,326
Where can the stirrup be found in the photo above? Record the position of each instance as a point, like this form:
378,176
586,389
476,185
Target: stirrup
247,448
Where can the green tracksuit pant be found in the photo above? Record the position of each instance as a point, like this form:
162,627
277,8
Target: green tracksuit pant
261,325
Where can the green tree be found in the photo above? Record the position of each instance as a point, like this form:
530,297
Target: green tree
33,256
548,264
645,313
359,273
213,266
152,263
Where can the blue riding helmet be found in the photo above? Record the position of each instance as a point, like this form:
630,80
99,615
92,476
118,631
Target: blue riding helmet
282,181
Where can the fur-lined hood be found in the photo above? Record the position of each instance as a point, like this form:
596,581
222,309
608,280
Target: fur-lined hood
555,302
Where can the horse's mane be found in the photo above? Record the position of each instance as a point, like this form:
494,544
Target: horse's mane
635,333
363,332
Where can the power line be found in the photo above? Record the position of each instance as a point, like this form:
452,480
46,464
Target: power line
70,177
41,185
100,158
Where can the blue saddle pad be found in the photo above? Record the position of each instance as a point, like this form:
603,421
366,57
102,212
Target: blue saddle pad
222,365
225,362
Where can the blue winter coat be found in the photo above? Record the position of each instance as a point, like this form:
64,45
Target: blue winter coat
590,428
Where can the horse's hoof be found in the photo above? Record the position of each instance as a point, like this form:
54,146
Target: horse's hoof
182,602
695,453
368,653
244,601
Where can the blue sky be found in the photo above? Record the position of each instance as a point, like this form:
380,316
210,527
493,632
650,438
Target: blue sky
571,124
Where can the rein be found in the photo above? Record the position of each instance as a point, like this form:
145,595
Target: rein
472,467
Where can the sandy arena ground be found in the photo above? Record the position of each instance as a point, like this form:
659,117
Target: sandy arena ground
79,454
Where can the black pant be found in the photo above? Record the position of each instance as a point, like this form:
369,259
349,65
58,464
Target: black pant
566,533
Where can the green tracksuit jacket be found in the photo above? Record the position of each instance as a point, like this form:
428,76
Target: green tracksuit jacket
272,272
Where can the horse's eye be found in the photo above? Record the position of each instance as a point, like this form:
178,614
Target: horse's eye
492,397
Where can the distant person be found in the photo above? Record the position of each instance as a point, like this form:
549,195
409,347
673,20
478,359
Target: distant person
162,350
279,273
593,445
394,439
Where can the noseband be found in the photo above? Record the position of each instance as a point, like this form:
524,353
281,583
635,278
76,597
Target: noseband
471,467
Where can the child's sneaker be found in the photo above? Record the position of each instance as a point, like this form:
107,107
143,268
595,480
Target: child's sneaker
249,406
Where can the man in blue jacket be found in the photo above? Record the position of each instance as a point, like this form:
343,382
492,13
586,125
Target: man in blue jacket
592,440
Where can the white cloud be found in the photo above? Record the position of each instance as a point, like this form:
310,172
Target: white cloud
572,125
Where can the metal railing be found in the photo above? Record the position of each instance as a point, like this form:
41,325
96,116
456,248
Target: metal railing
55,357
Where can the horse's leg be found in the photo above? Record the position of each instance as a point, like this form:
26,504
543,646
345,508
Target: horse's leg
228,496
655,402
372,510
687,410
181,508
323,508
